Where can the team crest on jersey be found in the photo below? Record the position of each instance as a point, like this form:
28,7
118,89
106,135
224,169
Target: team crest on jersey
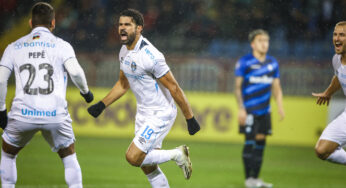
270,67
133,66
36,36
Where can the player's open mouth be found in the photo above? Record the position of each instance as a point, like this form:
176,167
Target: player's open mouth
338,44
123,35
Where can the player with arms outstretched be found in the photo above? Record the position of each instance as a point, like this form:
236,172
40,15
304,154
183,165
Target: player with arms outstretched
329,146
257,75
143,69
39,61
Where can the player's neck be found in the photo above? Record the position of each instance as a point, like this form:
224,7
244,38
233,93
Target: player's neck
133,45
343,59
260,56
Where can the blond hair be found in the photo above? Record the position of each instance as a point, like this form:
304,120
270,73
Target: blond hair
254,33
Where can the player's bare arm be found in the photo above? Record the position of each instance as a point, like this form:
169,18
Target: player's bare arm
242,112
179,97
277,92
177,93
119,89
324,97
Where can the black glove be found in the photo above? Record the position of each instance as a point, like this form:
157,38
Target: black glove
96,109
192,126
3,119
88,97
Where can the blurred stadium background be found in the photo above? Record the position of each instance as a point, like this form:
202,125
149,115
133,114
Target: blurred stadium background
201,40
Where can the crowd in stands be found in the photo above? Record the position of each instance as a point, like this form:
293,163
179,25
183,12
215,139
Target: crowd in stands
91,24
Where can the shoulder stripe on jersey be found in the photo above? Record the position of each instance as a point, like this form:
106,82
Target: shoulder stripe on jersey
143,43
6,67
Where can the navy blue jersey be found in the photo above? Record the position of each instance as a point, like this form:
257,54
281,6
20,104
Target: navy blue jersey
257,82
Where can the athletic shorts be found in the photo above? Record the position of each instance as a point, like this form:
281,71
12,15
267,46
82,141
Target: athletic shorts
152,128
336,130
257,125
58,135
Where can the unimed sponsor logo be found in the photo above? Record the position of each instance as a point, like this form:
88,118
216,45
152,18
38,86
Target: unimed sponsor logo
38,113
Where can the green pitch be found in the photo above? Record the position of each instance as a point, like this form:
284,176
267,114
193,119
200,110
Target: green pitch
214,165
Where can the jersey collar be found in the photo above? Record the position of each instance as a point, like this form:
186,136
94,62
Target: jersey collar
139,42
37,29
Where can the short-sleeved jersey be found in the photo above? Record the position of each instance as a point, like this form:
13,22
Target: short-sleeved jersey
143,66
37,60
340,71
257,82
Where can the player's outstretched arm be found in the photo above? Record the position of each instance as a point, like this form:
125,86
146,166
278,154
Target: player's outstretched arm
4,75
324,97
178,95
277,92
119,89
78,78
241,109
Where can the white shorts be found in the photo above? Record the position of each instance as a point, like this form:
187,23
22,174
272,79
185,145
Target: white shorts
151,129
58,135
336,130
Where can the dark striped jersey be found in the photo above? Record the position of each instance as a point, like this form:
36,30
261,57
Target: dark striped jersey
257,82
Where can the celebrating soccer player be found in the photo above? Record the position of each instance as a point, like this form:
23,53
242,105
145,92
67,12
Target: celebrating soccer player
329,146
39,61
257,74
143,69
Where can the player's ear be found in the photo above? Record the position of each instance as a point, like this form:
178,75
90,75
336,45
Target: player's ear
140,28
30,23
52,25
252,45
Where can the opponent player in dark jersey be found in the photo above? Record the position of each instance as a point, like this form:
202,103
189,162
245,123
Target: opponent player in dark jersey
257,76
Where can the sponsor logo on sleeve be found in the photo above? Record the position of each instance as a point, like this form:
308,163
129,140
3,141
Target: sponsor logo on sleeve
141,140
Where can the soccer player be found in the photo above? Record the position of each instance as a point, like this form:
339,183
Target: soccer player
39,61
329,146
257,76
143,69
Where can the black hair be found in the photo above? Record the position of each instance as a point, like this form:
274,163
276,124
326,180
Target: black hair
42,14
136,16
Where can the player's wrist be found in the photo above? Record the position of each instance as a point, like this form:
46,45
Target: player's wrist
102,105
192,125
87,96
96,109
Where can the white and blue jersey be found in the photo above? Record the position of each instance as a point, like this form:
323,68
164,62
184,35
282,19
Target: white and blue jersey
156,110
143,66
37,60
257,82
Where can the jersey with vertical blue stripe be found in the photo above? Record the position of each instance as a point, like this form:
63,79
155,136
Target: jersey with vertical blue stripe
257,82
